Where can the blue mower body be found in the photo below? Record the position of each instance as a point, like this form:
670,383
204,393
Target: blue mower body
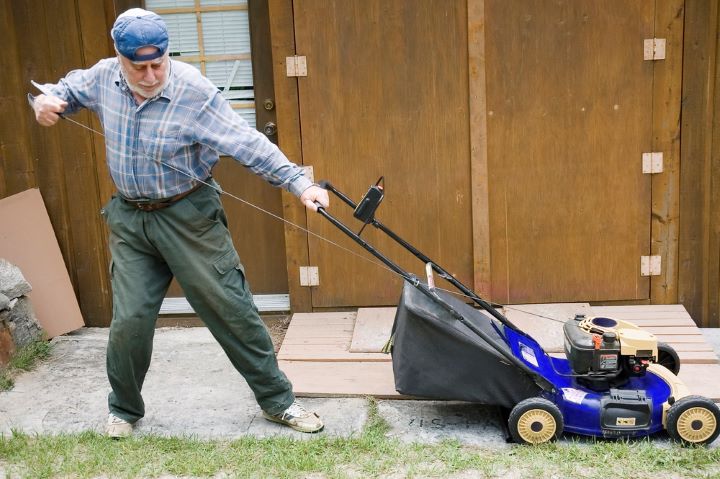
582,408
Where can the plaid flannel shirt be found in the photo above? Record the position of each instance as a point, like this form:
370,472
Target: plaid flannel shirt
187,126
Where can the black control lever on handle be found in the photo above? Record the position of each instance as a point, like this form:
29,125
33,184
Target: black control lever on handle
365,209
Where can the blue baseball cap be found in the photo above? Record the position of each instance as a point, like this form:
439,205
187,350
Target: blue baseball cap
138,28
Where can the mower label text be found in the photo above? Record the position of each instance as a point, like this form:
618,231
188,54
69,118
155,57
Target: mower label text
528,354
574,395
608,362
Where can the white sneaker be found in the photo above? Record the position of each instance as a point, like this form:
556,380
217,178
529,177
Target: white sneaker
118,428
298,418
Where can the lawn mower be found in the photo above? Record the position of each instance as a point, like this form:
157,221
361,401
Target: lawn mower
615,380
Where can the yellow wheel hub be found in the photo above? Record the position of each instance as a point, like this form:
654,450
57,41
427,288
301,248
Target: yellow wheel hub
536,426
696,424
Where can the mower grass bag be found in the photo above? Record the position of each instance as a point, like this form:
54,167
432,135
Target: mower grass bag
436,356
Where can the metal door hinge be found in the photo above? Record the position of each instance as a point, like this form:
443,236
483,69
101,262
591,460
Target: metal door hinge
652,162
650,265
296,66
309,276
654,49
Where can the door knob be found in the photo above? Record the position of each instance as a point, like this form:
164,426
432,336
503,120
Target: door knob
270,128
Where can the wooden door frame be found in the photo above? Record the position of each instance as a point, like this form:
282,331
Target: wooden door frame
665,196
282,32
480,193
667,96
262,65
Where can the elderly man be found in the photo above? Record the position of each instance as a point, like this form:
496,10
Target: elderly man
165,125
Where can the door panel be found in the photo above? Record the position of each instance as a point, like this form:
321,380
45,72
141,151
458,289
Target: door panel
386,94
569,113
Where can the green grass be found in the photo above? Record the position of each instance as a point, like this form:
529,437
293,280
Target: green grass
23,360
371,454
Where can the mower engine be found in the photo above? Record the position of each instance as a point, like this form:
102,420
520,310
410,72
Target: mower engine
605,352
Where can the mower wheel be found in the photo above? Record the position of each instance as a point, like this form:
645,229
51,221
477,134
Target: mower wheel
668,357
693,420
535,421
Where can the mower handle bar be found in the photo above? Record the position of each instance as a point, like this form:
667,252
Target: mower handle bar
444,274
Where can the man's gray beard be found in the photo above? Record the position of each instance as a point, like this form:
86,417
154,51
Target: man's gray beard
136,89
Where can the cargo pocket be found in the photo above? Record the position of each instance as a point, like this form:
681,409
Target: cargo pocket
228,262
232,277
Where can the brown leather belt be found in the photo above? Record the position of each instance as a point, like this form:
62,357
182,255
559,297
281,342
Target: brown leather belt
152,205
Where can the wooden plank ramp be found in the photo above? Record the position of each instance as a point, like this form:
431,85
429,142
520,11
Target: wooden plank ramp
317,351
373,327
323,337
341,379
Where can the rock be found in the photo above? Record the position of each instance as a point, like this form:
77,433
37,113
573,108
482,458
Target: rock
4,302
12,282
24,327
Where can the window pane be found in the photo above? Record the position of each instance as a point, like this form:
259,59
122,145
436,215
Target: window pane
226,32
157,4
206,3
182,28
236,74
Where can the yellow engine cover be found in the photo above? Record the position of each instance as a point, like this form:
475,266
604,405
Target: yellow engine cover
632,338
636,342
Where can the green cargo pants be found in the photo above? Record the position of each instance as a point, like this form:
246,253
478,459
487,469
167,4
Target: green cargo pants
190,241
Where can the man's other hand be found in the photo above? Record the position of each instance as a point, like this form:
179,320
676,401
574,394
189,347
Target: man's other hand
313,194
48,109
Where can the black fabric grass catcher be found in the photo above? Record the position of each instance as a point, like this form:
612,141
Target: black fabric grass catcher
436,356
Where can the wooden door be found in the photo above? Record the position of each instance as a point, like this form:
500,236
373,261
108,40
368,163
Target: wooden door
386,94
569,114
257,236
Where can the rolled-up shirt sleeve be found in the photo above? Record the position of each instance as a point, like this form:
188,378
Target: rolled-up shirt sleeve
217,126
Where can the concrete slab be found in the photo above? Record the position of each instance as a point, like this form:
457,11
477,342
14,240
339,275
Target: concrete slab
435,421
191,390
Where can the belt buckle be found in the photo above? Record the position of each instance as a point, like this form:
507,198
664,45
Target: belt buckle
144,205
